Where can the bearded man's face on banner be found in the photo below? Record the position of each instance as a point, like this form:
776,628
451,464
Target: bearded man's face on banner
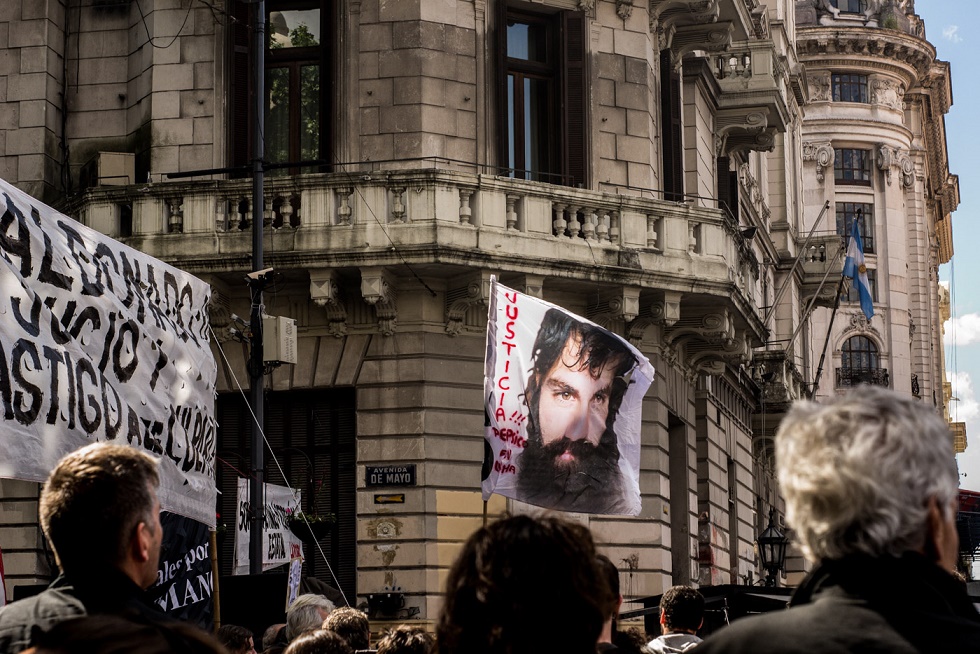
571,458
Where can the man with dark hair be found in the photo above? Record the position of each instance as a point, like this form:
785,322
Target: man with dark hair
609,572
681,615
352,624
577,383
237,640
406,639
100,513
524,585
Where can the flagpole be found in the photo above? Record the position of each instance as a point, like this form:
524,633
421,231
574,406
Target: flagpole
833,315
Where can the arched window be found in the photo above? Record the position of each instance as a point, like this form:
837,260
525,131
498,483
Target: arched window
859,353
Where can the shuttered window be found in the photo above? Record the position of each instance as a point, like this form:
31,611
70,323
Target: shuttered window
302,428
543,85
670,128
727,188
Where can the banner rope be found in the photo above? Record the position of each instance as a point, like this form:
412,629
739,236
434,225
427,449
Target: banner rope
275,459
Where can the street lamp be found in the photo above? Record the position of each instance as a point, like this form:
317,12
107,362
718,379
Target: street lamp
772,549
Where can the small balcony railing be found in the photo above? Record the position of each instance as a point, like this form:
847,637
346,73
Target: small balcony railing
848,377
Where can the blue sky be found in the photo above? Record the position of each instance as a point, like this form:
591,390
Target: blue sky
953,30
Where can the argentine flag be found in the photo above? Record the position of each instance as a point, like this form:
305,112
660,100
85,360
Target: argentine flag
855,269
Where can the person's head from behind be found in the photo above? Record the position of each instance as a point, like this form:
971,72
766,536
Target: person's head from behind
869,473
352,625
306,613
116,634
271,633
237,640
319,641
610,573
99,509
405,639
524,584
681,610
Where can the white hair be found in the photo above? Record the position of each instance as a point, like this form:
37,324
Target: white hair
858,473
304,614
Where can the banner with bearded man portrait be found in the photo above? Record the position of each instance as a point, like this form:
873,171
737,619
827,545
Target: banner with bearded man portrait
563,401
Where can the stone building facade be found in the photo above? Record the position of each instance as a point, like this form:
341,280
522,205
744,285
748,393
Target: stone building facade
648,165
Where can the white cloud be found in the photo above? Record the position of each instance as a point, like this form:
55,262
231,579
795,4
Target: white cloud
950,34
966,409
963,329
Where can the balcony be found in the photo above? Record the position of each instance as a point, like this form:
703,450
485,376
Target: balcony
752,105
822,262
850,377
672,264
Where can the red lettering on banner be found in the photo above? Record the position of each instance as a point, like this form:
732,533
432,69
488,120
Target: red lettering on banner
499,414
504,468
510,330
500,383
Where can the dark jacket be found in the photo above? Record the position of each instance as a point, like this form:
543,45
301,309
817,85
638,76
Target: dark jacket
863,604
70,597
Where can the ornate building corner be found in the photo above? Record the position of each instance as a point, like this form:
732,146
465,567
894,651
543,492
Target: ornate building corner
473,292
378,290
821,153
325,293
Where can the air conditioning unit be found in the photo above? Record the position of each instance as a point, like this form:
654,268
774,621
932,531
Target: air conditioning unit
278,339
109,169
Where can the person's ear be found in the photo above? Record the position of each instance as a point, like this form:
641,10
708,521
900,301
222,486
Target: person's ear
663,618
942,541
140,543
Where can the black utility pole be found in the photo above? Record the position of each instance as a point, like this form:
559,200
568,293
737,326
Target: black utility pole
256,365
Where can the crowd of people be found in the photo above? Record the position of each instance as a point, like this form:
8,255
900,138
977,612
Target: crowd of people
870,486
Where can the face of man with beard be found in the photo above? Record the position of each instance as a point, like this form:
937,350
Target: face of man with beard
570,461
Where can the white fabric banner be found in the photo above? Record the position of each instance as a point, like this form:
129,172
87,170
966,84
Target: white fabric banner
279,545
563,400
100,342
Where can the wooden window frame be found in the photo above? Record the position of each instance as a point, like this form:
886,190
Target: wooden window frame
864,171
845,86
867,348
846,211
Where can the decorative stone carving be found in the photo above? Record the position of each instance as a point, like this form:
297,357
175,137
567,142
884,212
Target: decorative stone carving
738,130
459,300
325,293
378,290
533,285
624,8
887,92
888,157
666,307
821,153
819,84
219,313
622,304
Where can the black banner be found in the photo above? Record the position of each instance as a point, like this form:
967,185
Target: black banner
185,583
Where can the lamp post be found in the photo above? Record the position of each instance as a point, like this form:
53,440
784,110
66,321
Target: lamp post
772,549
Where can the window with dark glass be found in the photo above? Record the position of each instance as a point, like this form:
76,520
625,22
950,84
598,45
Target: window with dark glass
311,440
852,166
851,6
849,88
863,212
859,353
296,85
672,153
852,293
543,96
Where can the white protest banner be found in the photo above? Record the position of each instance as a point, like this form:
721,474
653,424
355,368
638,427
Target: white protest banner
563,401
279,544
100,342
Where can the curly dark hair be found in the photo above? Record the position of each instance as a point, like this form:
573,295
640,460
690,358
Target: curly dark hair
233,637
682,608
352,624
405,639
524,585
